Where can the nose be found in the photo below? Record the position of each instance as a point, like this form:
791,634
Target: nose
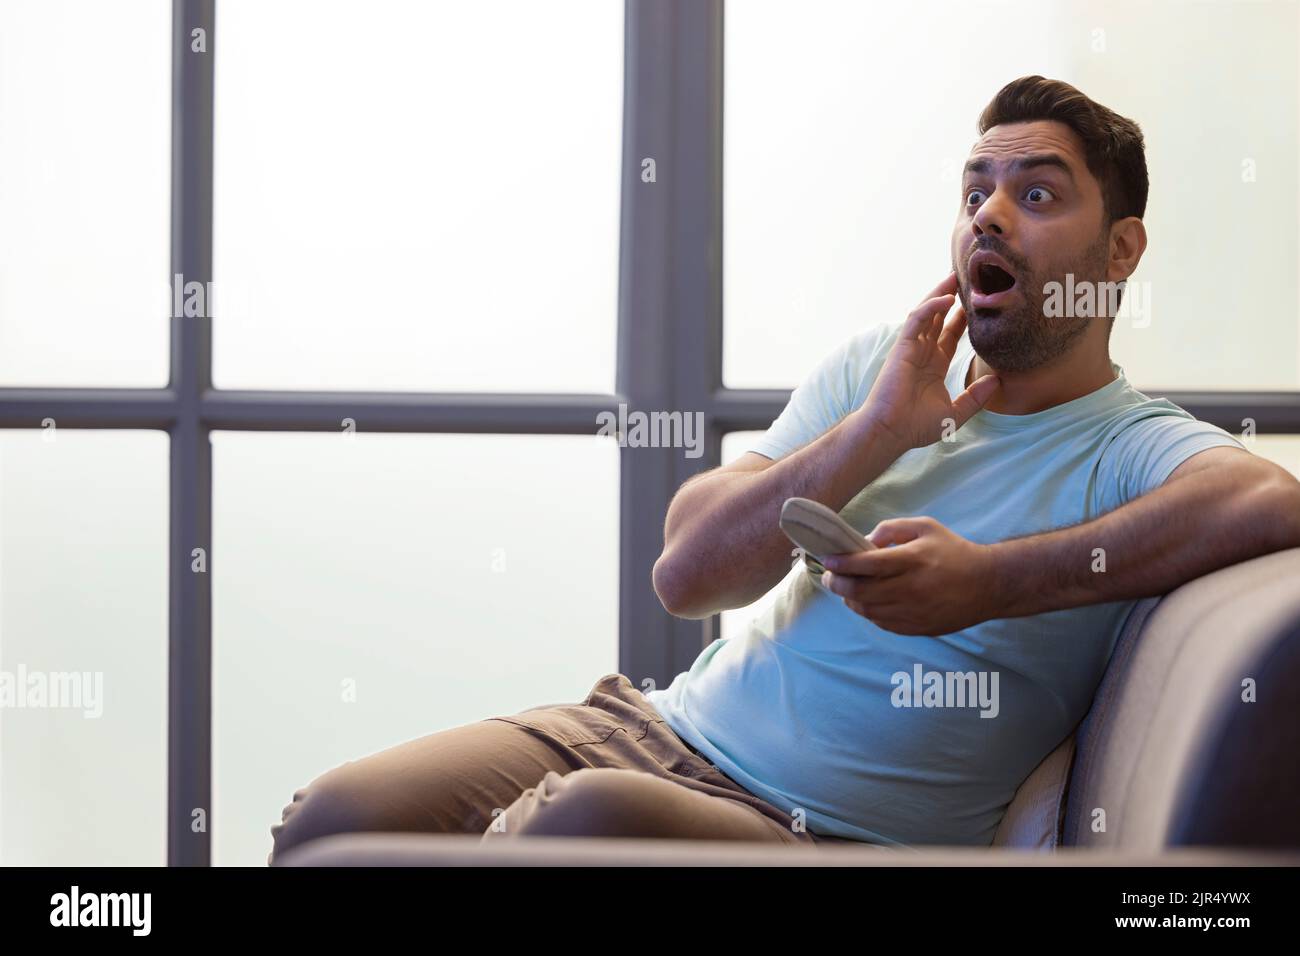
992,216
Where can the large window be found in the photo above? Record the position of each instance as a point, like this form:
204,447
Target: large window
399,202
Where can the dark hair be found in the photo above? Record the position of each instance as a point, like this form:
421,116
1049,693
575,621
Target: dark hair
1112,145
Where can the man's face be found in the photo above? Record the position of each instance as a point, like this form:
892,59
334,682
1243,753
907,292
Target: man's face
1030,213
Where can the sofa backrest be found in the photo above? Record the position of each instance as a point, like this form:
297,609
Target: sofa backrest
1193,735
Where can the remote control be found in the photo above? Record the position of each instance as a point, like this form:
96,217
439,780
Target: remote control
820,531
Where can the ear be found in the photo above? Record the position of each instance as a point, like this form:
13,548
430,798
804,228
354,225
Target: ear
1128,240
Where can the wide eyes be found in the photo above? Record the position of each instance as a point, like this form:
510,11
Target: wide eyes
1034,195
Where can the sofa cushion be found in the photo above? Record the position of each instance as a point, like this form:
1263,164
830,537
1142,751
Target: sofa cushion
1035,815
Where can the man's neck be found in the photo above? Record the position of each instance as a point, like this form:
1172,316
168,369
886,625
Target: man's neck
1070,376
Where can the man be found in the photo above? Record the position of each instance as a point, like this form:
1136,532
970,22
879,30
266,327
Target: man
1021,494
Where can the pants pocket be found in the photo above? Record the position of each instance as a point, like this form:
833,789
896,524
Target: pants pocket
613,704
570,724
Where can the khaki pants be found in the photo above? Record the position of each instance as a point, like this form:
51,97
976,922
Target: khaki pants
610,766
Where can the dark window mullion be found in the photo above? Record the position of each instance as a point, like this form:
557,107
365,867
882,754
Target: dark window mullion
189,699
669,333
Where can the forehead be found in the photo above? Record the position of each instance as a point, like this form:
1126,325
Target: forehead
1011,140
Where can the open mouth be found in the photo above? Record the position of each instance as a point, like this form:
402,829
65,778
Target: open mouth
990,279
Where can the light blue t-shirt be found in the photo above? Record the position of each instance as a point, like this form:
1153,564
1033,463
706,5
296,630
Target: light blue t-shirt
803,708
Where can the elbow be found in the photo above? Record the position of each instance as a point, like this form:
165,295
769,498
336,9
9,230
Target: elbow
672,587
1267,510
1285,510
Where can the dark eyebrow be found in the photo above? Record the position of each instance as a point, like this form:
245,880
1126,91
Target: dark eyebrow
1022,163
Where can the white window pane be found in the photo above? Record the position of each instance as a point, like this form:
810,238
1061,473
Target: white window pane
83,607
416,196
449,578
842,170
85,128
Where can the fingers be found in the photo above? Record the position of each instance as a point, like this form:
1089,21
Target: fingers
921,323
883,561
939,301
974,398
866,591
899,531
952,332
876,563
947,287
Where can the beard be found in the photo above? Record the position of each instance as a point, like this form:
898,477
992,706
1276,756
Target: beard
1021,337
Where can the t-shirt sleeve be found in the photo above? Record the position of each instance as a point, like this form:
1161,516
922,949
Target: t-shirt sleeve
825,396
1147,450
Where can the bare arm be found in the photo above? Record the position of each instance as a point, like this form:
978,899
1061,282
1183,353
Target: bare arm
723,547
1221,506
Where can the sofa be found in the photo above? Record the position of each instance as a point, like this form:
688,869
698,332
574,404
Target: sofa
1187,756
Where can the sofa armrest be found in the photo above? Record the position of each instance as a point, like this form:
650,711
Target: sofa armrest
1192,736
